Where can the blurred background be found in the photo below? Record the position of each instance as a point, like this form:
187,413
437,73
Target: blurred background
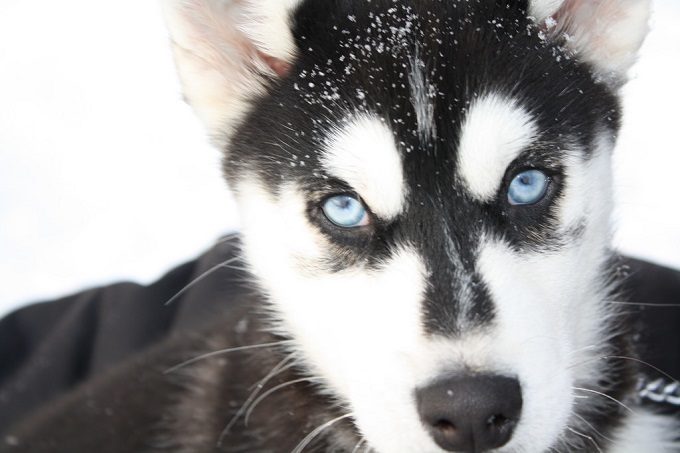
106,175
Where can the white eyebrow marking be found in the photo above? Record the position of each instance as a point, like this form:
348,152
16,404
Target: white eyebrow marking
495,131
364,155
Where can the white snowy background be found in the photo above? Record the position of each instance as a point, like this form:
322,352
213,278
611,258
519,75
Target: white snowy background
106,175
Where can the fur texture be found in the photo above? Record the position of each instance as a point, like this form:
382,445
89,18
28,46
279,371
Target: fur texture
425,111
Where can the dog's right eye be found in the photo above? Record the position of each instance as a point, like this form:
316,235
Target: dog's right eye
345,211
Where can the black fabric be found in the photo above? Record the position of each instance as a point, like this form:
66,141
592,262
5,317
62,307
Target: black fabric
654,294
49,348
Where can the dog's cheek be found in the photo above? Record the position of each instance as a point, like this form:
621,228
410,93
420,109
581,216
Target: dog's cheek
356,329
531,338
276,231
359,330
587,198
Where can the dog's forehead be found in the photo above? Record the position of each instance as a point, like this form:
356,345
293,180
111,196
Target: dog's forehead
462,87
427,67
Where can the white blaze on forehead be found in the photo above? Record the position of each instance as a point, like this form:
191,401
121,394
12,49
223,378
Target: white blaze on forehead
365,156
422,94
494,132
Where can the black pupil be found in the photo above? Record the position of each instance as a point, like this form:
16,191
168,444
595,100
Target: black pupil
526,180
343,202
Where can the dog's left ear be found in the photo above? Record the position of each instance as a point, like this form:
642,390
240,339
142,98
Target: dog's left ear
226,51
605,33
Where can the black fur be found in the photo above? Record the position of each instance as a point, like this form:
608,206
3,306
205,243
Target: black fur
147,405
356,56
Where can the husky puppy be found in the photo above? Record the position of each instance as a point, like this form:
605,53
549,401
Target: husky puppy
425,191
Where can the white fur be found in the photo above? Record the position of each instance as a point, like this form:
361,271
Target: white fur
219,47
542,9
334,316
495,131
550,308
364,155
422,93
647,432
360,329
268,26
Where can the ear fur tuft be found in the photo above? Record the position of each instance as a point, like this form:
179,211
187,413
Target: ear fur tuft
542,9
606,33
225,50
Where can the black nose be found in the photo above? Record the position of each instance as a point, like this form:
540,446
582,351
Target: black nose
471,413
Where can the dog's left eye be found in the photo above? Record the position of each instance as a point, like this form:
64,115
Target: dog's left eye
528,187
345,211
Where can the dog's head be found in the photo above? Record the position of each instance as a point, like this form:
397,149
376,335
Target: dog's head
425,192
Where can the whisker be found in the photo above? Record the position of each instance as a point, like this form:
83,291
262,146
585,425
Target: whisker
619,357
358,446
199,279
301,446
590,425
609,397
272,390
585,348
587,437
257,388
644,304
634,359
236,268
224,351
279,368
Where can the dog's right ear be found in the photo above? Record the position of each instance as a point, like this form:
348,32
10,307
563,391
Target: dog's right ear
226,51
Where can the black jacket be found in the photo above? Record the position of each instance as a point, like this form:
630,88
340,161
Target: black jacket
48,349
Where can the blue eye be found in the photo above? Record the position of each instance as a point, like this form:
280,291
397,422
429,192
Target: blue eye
528,187
345,211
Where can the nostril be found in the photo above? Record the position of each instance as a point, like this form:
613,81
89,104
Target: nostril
497,421
445,427
446,432
500,426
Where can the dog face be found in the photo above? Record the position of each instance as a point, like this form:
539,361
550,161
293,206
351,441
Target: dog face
425,192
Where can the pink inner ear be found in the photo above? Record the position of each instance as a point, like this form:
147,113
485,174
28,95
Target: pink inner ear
588,15
280,67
